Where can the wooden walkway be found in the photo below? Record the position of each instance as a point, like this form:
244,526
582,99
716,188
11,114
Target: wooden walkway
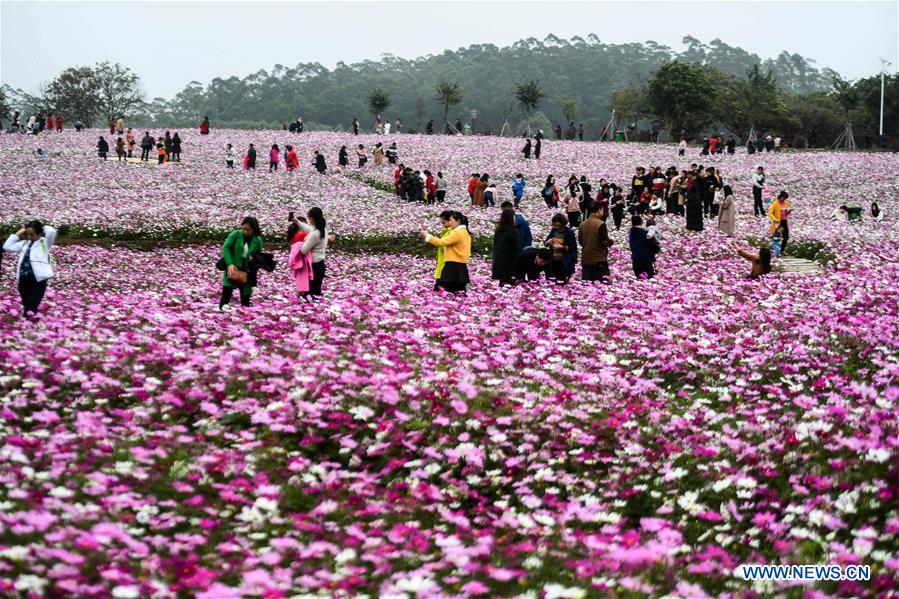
800,265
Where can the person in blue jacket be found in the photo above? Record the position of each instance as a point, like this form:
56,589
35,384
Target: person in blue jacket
563,243
518,188
641,253
522,227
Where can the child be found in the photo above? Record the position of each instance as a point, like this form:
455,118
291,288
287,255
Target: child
617,208
653,237
518,189
641,253
776,238
274,157
229,157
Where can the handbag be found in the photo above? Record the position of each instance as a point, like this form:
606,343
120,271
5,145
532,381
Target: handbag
238,277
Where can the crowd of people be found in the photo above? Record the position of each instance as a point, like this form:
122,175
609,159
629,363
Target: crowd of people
168,147
697,194
39,122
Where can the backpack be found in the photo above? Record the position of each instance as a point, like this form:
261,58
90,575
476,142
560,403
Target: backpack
548,193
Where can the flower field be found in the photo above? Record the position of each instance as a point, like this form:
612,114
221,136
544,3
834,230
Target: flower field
200,197
638,439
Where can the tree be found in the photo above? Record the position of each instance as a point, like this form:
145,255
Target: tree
448,94
569,107
419,111
682,97
537,122
44,99
846,95
751,103
630,104
378,101
528,94
118,89
5,110
76,94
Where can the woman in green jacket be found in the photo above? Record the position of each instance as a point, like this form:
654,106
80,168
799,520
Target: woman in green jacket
444,221
237,252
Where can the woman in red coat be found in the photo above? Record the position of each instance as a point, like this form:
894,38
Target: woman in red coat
204,126
58,122
430,187
292,161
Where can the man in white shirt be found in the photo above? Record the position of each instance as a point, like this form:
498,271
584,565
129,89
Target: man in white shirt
758,185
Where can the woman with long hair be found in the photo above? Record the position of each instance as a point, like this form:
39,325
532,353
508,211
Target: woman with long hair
315,243
694,202
550,193
505,248
457,245
727,213
761,261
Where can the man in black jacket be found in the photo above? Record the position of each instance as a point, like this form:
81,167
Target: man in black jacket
145,145
531,262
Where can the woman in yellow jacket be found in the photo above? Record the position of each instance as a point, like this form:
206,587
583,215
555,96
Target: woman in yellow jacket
453,277
779,213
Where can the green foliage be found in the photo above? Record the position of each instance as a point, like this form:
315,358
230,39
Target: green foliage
448,94
584,68
845,94
754,102
630,104
814,120
84,93
75,93
569,107
682,96
537,122
528,94
5,110
378,101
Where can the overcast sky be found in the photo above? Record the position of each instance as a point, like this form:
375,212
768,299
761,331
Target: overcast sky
168,44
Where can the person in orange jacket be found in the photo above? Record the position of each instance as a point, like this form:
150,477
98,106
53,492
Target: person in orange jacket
457,251
779,213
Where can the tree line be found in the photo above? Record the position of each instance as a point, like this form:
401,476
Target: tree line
652,89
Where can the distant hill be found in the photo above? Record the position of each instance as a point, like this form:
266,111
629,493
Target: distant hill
586,68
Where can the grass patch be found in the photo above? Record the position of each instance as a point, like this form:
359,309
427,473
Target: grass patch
810,249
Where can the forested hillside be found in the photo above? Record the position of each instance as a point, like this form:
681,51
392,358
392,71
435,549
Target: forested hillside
585,68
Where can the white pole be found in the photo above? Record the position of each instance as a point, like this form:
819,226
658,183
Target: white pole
881,107
883,64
